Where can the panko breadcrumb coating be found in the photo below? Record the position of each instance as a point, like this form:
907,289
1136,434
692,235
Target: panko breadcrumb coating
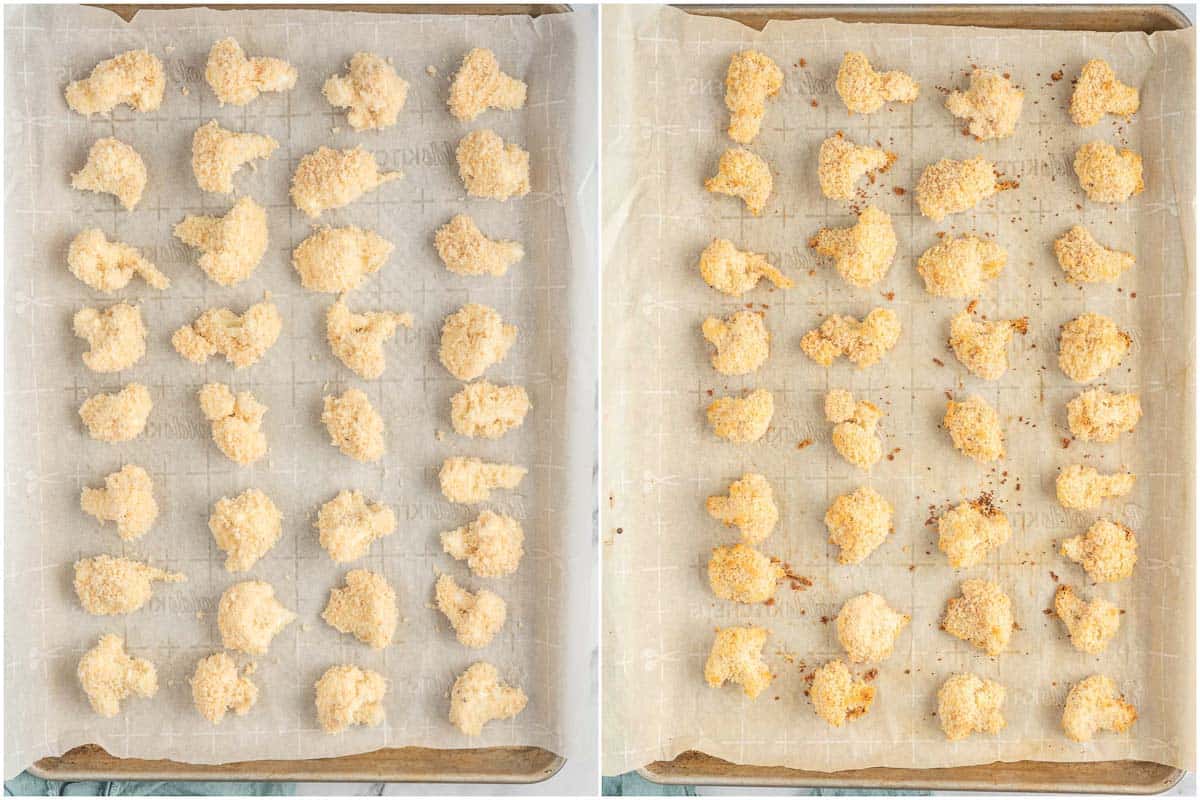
108,584
837,695
218,686
1081,487
949,186
867,628
1108,175
736,656
249,617
742,574
126,499
490,168
1099,415
354,425
236,79
991,104
742,342
218,153
116,336
841,164
245,528
982,345
117,417
974,428
961,266
858,522
115,168
347,525
483,409
242,339
491,544
134,78
735,272
1107,551
466,251
863,343
1085,260
1090,345
865,91
479,696
339,259
108,675
475,618
1093,705
745,175
236,422
471,480
969,704
107,266
854,431
751,80
479,85
862,253
1091,625
1098,92
982,616
328,178
749,507
232,245
971,530
371,90
348,695
357,339
366,607
473,339
742,419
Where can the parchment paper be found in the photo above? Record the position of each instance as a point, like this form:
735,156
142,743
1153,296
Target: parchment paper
50,458
665,129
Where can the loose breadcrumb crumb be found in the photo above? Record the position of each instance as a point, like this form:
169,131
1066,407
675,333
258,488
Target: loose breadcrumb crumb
735,272
357,339
867,628
107,266
108,584
491,544
949,186
115,168
1093,705
218,687
236,422
741,340
752,79
1099,415
991,104
134,78
1091,625
1085,260
479,696
473,339
236,79
483,409
126,499
736,656
466,251
348,525
490,168
479,85
365,607
372,91
745,175
968,704
1098,92
471,480
475,618
841,164
858,522
117,417
863,343
971,530
961,266
865,91
982,616
116,336
249,617
838,696
1107,551
742,574
742,419
1081,487
354,425
245,528
328,178
339,259
974,428
1108,175
109,675
242,339
348,695
749,507
1090,345
862,253
232,245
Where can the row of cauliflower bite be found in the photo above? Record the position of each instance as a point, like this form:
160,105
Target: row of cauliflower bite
331,260
958,267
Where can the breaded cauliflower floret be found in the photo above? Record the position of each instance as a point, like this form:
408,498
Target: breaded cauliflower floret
735,272
328,178
354,425
107,266
736,656
749,507
867,628
249,617
348,695
1092,625
347,525
1087,261
108,584
232,245
471,480
854,430
865,91
473,339
218,686
475,618
1083,487
742,419
339,259
238,80
466,251
968,704
1108,175
982,345
969,531
115,168
479,85
236,422
491,544
483,409
974,428
1099,415
366,607
961,266
1098,92
863,343
742,342
745,175
126,499
742,574
1107,551
372,91
357,339
479,696
949,186
490,168
841,163
218,153
116,336
751,80
1090,345
1094,704
982,616
862,253
117,417
108,675
837,695
991,105
135,78
245,528
858,522
241,338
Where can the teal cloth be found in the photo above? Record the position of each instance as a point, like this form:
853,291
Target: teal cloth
631,784
26,785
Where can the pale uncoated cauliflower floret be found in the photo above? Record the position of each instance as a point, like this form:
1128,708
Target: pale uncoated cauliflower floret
241,338
1094,705
117,417
1090,345
126,499
1098,92
238,80
476,618
982,345
116,336
466,251
1108,175
862,253
971,530
357,339
863,343
231,245
339,259
751,80
491,544
471,480
115,168
742,574
1099,415
741,340
218,686
348,695
218,153
479,85
745,175
479,696
486,410
749,507
735,272
736,656
742,419
347,525
365,607
1107,551
1083,487
949,186
982,616
837,695
134,78
249,617
867,628
974,428
968,704
372,91
108,584
864,91
991,104
961,266
841,163
354,425
245,528
854,431
236,422
107,266
473,339
328,178
858,523
1085,260
1092,625
490,168
108,675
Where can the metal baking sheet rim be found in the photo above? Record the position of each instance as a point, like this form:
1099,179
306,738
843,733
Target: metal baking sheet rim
1110,777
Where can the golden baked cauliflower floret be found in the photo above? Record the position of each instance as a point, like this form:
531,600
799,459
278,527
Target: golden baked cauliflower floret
1094,704
486,410
969,531
961,266
742,419
108,266
231,245
1108,175
1085,260
117,417
863,343
473,339
968,704
365,607
974,428
479,696
1090,345
479,85
339,259
838,696
126,499
745,175
471,480
1099,415
108,675
218,686
742,574
328,178
1107,551
372,91
982,616
854,430
242,339
751,80
116,336
357,339
736,656
865,91
742,342
108,584
466,251
348,525
1083,487
490,168
735,272
491,544
245,528
862,253
249,617
991,105
749,507
354,425
236,422
858,523
115,168
476,618
218,153
1098,92
982,345
348,695
949,186
867,628
841,163
134,78
236,79
1092,625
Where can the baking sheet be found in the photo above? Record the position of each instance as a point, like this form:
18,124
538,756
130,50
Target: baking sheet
664,131
50,458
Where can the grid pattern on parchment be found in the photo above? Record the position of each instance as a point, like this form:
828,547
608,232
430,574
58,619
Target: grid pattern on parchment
664,130
50,458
